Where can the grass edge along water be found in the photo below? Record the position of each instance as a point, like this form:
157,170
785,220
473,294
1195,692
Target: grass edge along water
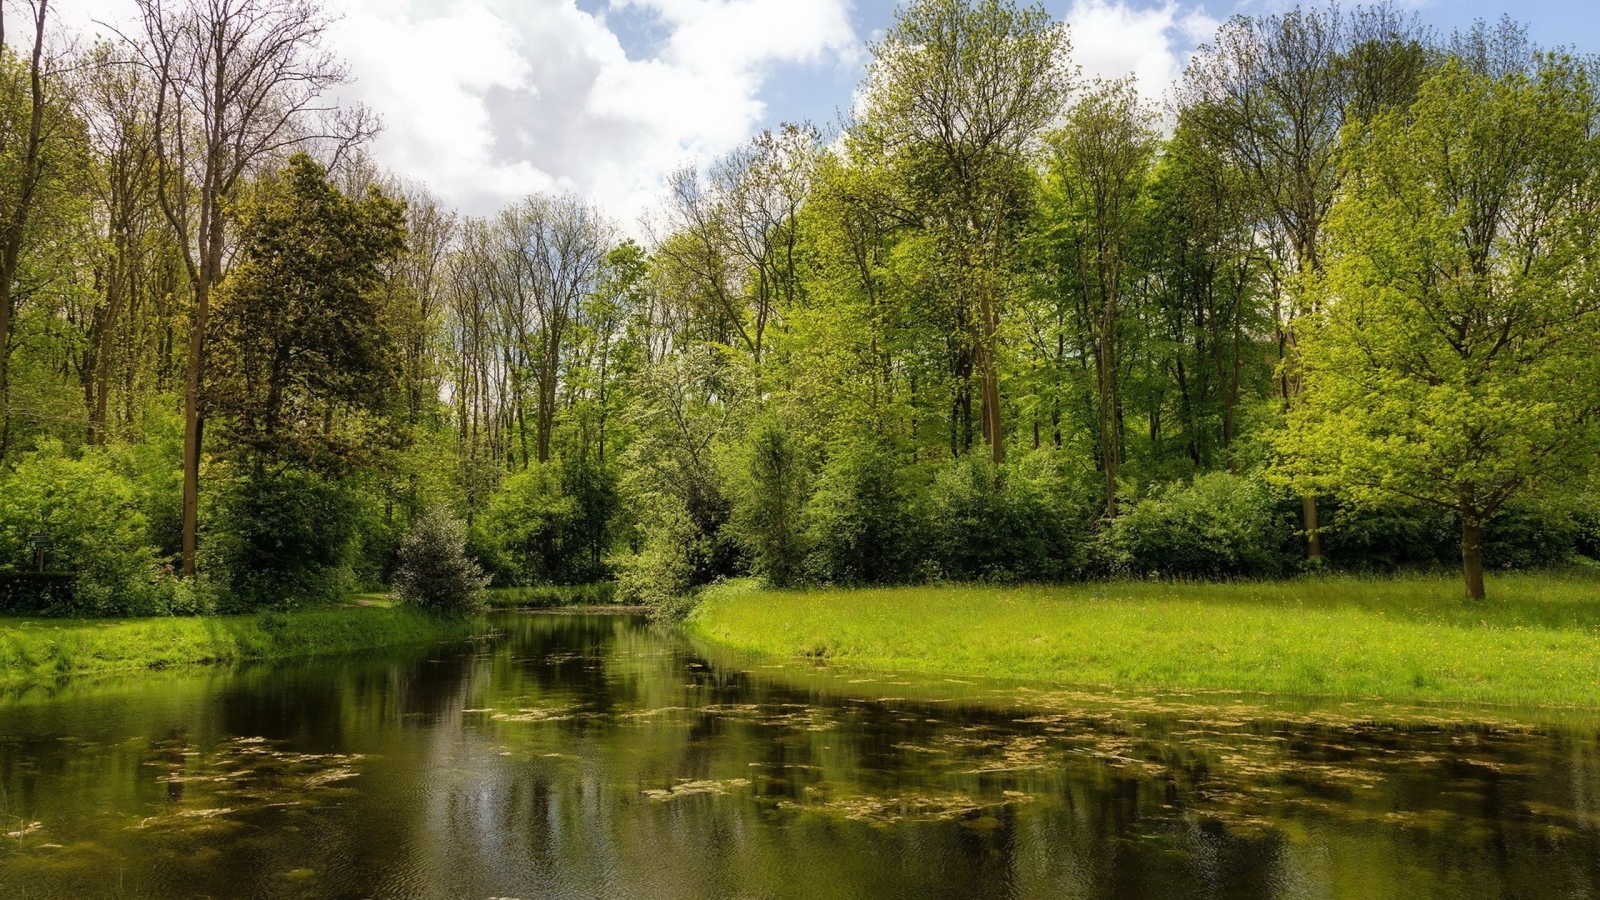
36,649
1536,642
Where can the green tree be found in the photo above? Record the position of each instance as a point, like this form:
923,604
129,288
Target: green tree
957,95
299,342
1100,164
1455,362
770,494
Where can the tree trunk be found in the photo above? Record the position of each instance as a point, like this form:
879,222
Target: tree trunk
1472,557
5,367
17,217
989,374
1308,509
191,427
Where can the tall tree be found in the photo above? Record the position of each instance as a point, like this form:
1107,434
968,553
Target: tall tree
1100,163
1274,91
1455,363
116,103
735,238
554,259
239,83
25,132
957,94
300,328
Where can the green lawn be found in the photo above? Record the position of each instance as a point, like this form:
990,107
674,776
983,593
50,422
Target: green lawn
1536,641
36,649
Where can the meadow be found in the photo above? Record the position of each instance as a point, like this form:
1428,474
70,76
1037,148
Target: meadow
1535,642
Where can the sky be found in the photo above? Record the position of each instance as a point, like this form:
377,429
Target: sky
486,101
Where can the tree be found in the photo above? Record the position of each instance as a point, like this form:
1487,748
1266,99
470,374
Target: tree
299,330
1274,91
770,498
30,120
1101,161
956,94
736,238
555,253
115,101
1455,362
239,82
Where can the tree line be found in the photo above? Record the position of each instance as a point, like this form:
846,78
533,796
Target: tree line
1329,305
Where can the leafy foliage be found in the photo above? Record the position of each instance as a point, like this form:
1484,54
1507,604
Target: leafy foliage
435,572
281,539
87,514
1219,526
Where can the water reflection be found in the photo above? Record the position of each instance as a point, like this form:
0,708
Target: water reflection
597,757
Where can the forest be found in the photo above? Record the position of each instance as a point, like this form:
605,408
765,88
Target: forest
1329,305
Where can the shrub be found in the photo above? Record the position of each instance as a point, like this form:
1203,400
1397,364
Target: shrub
1024,522
1218,526
595,503
528,523
663,572
863,523
769,495
280,539
1388,536
95,531
435,572
1531,532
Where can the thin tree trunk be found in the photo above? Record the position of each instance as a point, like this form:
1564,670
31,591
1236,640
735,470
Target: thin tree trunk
191,426
17,218
1472,557
1308,511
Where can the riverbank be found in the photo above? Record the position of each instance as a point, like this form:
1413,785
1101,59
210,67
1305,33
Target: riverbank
37,649
1536,642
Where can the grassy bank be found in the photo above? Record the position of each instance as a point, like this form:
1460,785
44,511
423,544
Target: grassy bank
35,649
1535,642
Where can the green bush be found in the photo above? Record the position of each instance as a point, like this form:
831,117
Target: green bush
1534,532
593,487
769,493
279,539
1531,532
526,529
1023,522
86,510
435,572
1389,536
1218,526
863,522
672,553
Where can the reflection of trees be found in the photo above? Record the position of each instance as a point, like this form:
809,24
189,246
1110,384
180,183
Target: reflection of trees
597,757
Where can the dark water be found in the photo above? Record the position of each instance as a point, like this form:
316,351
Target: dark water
596,757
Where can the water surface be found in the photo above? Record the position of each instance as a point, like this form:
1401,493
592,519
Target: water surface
598,757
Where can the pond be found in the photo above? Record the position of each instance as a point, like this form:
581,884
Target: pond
601,757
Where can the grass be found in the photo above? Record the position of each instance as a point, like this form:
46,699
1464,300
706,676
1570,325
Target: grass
36,649
1535,642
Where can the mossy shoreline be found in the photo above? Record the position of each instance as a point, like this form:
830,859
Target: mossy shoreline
33,650
1535,643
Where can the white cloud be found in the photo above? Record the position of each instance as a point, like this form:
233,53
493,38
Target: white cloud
487,100
1113,40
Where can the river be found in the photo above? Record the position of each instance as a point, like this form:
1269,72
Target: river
602,757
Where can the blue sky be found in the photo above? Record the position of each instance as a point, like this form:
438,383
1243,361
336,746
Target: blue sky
814,93
485,101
